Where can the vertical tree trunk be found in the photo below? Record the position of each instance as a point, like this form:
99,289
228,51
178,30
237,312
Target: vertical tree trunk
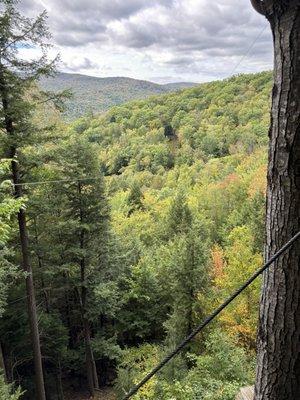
40,264
90,362
32,314
31,304
91,369
92,376
278,361
2,364
60,391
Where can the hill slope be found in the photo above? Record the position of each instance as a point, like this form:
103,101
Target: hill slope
185,178
99,94
216,119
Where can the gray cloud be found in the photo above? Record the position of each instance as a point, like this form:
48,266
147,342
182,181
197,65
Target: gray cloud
76,17
186,32
209,29
105,9
180,60
73,31
83,64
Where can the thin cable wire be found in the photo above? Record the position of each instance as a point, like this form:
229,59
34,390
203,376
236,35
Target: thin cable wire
9,303
56,181
37,292
248,51
210,318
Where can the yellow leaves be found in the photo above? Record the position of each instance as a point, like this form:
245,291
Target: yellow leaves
258,182
152,203
232,266
137,362
240,321
139,222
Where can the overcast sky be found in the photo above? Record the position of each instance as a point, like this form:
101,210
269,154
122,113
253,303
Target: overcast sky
158,40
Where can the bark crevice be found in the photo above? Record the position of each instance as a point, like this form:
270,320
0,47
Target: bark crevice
278,360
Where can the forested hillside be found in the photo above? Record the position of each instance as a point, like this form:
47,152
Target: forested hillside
91,94
148,217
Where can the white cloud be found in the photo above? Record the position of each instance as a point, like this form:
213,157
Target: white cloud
193,40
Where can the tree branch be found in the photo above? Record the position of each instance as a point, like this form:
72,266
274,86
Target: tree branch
26,32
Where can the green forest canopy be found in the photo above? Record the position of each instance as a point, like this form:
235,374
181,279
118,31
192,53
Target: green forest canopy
175,224
94,95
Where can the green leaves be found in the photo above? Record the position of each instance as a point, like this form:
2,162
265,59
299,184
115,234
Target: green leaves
9,206
7,392
141,236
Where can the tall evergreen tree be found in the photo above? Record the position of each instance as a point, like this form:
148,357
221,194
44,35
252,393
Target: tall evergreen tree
17,77
179,219
83,231
188,276
135,198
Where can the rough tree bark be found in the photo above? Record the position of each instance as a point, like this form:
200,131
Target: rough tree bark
278,360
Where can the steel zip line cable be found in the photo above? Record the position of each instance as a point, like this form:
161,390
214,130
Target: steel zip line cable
248,50
211,317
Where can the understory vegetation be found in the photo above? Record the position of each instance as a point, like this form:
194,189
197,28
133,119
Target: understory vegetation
149,216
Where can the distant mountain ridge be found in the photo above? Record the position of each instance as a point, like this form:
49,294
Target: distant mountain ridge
93,94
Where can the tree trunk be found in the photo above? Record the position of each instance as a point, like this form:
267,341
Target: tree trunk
90,362
60,391
32,314
2,364
92,376
278,360
31,304
91,369
40,265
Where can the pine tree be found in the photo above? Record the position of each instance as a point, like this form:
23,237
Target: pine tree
135,198
188,275
82,235
179,219
17,77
